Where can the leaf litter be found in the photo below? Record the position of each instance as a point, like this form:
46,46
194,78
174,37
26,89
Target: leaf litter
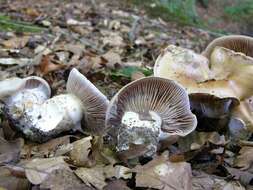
112,46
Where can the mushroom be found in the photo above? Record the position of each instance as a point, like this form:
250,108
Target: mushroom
237,43
147,111
209,95
31,111
243,46
215,86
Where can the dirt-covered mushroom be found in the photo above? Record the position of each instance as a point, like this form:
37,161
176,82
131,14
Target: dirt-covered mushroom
146,111
40,117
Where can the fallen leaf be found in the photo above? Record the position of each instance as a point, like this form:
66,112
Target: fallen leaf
223,185
46,149
16,42
112,59
245,159
46,66
63,179
117,171
162,174
73,22
37,170
10,182
10,151
196,140
32,12
92,176
13,61
116,185
113,40
244,177
203,181
80,152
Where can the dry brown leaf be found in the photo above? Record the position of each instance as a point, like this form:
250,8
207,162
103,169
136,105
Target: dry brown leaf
92,176
116,185
16,42
244,177
117,171
31,12
46,66
245,159
80,152
112,59
37,170
10,182
113,40
162,174
196,140
10,151
63,180
203,181
223,185
46,149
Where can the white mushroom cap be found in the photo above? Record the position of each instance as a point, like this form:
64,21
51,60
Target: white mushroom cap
197,75
93,101
145,108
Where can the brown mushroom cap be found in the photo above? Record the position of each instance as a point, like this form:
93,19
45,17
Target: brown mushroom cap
160,101
237,43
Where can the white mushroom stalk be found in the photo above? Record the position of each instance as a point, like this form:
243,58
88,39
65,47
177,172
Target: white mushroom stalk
40,117
146,111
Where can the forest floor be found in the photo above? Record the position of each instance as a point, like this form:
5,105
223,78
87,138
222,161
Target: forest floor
111,45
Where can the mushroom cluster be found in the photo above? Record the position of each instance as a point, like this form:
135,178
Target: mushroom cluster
218,81
30,109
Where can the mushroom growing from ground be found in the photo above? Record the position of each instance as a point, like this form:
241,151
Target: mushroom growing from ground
212,98
28,107
217,85
243,47
147,111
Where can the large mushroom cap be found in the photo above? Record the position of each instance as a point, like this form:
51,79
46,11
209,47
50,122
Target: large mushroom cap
237,43
196,74
242,54
145,109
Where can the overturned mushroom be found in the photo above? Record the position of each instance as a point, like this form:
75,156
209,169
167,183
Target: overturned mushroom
40,118
146,111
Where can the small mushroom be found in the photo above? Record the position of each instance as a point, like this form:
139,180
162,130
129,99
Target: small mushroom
40,118
147,111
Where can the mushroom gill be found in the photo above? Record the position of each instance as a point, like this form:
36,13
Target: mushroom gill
146,111
237,43
39,117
